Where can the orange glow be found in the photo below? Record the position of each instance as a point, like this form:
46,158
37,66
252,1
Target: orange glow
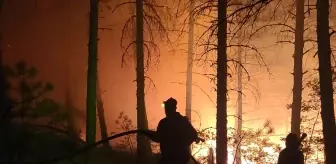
198,153
59,51
65,52
212,144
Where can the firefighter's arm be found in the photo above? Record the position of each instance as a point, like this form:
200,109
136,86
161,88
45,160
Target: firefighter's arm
152,135
192,133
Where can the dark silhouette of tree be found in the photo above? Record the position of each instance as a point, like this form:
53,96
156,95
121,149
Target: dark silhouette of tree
221,122
30,106
143,145
325,78
101,115
30,110
243,15
3,99
290,28
298,73
26,87
147,16
92,74
190,59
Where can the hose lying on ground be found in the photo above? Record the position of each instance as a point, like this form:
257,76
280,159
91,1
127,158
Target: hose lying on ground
88,147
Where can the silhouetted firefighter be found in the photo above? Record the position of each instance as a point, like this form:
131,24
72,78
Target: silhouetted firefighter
292,153
175,135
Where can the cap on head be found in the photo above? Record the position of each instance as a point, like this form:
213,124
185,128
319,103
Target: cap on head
292,140
170,103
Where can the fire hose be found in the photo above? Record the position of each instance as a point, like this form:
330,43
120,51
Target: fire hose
90,146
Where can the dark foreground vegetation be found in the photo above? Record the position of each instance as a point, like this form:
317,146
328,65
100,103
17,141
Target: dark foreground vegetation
37,129
23,144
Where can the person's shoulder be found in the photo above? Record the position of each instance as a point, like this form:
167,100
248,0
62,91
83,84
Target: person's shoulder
284,151
161,124
185,118
163,120
179,116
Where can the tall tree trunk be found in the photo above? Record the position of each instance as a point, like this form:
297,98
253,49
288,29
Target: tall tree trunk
143,144
4,103
3,106
101,115
326,86
211,159
190,60
221,124
298,55
239,119
92,74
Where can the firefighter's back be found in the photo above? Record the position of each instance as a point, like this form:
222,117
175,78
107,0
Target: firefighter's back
173,137
291,156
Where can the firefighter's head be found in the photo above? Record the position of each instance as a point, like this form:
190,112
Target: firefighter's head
292,141
170,106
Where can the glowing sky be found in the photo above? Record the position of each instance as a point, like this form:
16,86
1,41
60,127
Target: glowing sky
54,38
